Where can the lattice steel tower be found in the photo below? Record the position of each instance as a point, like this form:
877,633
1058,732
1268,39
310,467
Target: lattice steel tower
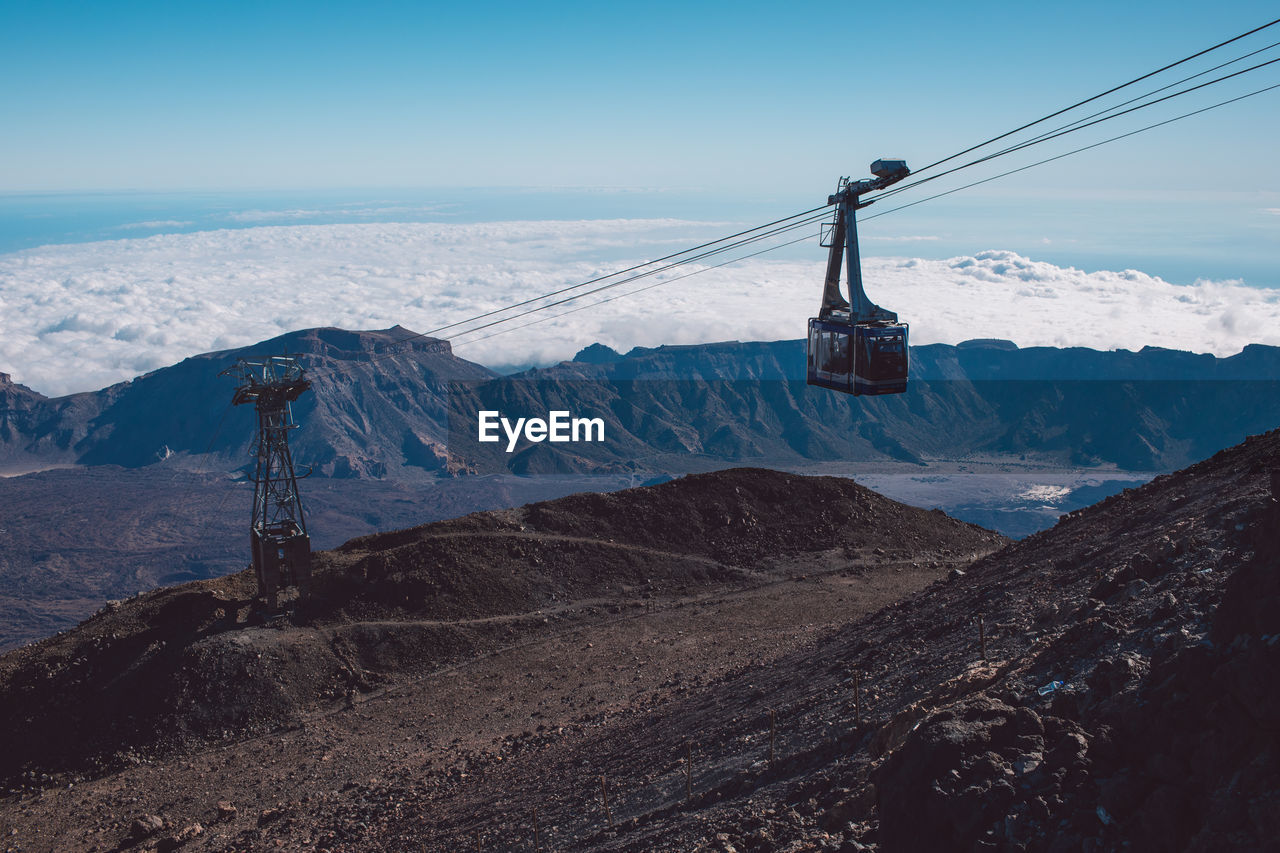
278,530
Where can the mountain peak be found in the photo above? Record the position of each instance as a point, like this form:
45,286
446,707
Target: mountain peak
13,390
987,343
348,344
597,353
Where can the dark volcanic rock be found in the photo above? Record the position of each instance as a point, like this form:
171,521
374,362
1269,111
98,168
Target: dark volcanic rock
1163,736
947,785
978,773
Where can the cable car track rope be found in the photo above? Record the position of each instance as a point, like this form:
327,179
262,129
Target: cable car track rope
1189,77
1075,126
631,292
1098,96
1076,151
820,212
810,217
778,227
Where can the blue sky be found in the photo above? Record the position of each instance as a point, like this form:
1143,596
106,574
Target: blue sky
743,97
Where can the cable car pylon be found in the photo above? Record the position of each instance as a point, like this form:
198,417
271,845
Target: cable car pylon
278,537
854,345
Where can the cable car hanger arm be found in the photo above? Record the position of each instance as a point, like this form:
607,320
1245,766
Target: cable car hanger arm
844,247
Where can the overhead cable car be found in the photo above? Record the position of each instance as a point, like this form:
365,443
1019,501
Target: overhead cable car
854,345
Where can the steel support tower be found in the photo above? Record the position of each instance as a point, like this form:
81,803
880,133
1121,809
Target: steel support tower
278,530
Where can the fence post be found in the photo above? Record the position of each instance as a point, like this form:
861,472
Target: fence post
688,771
772,730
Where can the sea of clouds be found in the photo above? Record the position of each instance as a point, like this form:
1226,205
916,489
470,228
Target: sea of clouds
80,317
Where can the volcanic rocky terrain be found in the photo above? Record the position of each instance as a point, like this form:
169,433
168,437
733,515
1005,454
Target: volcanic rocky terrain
745,660
431,647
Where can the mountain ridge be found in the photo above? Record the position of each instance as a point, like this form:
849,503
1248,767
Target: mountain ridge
382,404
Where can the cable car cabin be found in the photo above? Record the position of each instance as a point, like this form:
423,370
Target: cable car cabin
858,358
854,345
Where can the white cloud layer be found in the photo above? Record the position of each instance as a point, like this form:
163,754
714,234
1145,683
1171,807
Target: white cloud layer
80,317
155,223
262,216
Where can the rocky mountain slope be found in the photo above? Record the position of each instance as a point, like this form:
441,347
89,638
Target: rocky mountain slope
185,665
1124,698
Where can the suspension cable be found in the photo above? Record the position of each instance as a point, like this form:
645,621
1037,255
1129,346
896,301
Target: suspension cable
456,344
809,220
1051,135
571,287
1166,87
1099,95
1076,151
